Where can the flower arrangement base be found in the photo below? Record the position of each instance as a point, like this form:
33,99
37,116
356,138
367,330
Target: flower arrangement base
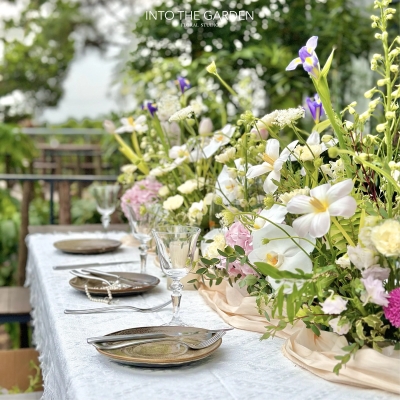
369,368
237,308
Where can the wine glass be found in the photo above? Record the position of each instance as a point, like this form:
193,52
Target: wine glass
176,246
214,210
106,197
142,219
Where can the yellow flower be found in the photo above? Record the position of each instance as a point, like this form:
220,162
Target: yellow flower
386,238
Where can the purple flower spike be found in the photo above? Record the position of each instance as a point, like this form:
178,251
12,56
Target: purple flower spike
150,107
308,58
315,107
183,83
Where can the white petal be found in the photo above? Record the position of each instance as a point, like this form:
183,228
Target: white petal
312,42
293,64
345,207
320,224
211,148
308,243
258,170
314,139
300,204
297,261
288,150
272,148
141,119
302,225
270,231
269,186
339,190
228,130
259,254
319,192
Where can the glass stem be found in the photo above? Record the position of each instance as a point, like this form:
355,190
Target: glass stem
143,258
105,220
176,296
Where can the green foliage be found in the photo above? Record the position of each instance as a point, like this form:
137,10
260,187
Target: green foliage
265,45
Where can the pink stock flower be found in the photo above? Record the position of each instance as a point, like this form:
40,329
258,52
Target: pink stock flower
238,235
392,311
142,192
236,268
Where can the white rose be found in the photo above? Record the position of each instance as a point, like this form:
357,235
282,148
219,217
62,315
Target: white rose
341,329
173,203
386,238
164,191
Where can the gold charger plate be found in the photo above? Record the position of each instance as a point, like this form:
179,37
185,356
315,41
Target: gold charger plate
144,283
168,353
87,246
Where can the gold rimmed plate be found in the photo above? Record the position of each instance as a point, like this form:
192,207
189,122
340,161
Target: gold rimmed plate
87,246
139,283
167,353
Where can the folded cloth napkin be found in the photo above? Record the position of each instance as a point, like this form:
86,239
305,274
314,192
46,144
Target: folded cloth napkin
236,307
369,368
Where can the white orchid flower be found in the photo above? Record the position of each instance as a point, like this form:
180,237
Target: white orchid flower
282,252
324,201
275,214
133,125
219,139
273,163
227,186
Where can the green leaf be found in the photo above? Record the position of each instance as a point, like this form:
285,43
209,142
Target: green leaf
206,261
201,271
266,335
359,330
239,250
327,65
266,315
397,346
315,329
322,126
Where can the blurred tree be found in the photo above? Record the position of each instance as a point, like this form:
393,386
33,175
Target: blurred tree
264,46
37,44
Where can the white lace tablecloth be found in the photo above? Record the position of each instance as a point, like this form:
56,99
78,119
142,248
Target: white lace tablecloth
242,368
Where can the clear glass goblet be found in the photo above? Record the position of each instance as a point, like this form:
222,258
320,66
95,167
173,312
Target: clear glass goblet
176,246
106,197
142,219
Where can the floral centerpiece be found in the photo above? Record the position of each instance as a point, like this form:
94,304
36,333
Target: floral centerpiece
310,226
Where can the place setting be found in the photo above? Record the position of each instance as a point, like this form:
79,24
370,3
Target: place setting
172,344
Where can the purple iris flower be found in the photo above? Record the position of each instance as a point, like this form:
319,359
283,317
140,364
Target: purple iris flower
308,58
315,107
150,107
183,83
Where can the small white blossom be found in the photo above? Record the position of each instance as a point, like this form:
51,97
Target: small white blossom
191,185
167,106
339,327
287,117
128,169
286,197
182,114
227,155
196,212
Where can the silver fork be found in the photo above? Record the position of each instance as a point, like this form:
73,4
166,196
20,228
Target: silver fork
193,346
117,308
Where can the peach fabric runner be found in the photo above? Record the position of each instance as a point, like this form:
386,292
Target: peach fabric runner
369,369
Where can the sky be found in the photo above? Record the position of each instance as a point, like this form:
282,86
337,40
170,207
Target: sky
87,89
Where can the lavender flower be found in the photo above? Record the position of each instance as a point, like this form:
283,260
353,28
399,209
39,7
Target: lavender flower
150,107
183,83
315,107
308,58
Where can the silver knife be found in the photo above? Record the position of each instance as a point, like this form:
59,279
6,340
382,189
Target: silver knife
88,265
133,336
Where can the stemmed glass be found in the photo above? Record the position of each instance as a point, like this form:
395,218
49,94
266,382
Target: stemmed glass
176,246
106,197
142,219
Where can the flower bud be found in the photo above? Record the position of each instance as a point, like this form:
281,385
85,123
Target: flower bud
374,25
205,126
265,241
109,126
218,200
269,201
212,68
352,111
383,82
364,116
377,57
333,152
390,115
353,104
326,138
384,35
381,127
369,93
318,162
394,53
394,68
349,125
396,93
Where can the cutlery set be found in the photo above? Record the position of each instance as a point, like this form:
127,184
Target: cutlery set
86,271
